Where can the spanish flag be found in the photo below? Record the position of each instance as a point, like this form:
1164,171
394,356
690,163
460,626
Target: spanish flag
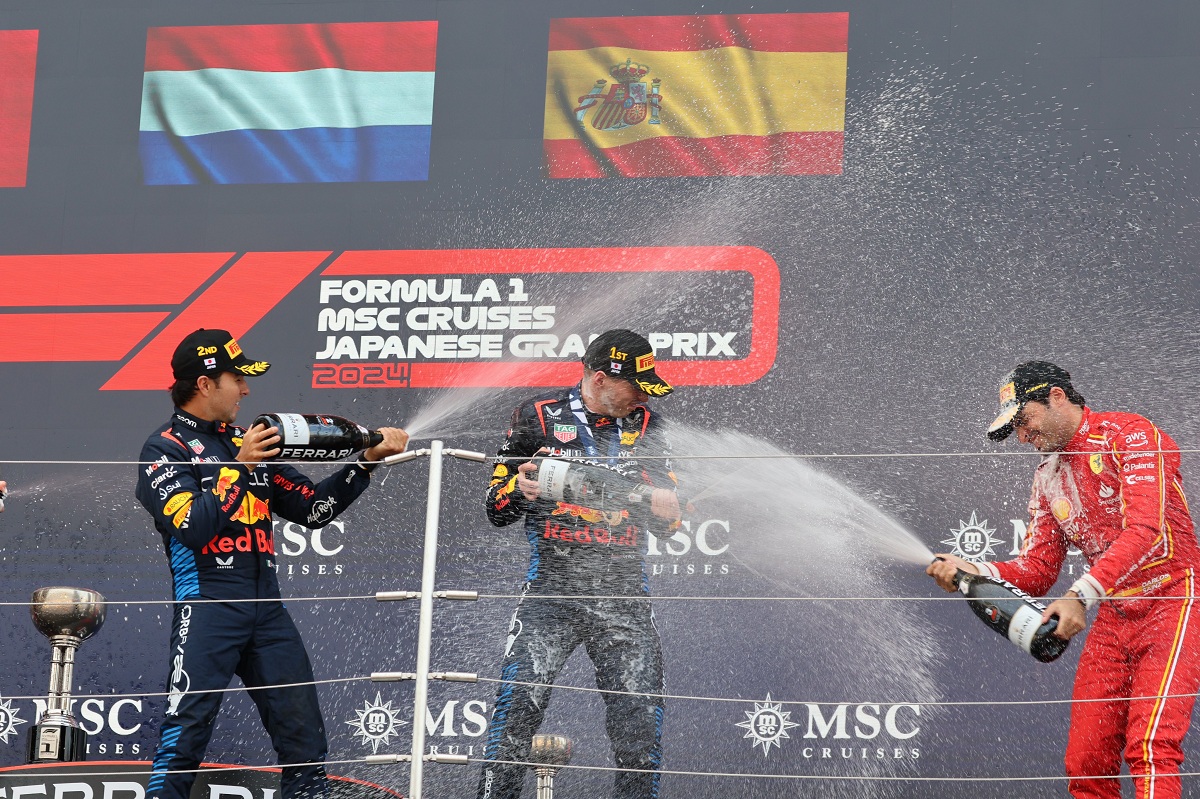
730,94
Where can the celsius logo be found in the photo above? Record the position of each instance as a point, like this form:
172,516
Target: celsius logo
377,722
767,724
973,540
8,719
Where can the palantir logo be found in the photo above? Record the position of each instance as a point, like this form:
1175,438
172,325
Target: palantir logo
377,722
8,719
973,540
767,724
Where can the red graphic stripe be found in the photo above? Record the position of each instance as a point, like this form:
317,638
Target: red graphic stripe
814,153
145,765
363,46
109,279
18,63
760,265
31,338
236,301
784,33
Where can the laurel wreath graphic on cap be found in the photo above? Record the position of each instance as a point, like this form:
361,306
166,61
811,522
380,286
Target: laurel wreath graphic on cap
653,389
254,369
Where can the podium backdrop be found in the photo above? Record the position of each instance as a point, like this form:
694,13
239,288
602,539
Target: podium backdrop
840,226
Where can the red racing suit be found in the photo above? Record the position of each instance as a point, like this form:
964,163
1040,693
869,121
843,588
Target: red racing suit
1115,492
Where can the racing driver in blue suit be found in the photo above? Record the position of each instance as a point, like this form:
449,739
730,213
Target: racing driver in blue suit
212,497
586,583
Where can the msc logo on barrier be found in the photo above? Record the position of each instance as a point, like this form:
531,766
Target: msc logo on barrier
300,546
377,722
8,719
973,540
768,723
694,550
123,719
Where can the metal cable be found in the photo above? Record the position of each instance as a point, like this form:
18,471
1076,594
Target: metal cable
940,703
865,777
949,597
207,690
760,456
199,601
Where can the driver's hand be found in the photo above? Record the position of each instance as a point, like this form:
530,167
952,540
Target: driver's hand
259,444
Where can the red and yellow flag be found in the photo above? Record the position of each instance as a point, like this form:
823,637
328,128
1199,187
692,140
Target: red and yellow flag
730,94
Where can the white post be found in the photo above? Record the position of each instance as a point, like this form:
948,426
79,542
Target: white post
425,626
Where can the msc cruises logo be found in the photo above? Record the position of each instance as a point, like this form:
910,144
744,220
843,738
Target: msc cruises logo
767,724
973,540
377,722
8,719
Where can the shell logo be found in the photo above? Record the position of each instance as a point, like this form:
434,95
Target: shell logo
1061,509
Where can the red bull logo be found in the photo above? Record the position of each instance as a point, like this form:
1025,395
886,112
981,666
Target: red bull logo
252,510
591,534
225,479
264,539
589,514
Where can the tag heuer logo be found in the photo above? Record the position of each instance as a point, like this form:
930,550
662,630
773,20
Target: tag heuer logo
564,432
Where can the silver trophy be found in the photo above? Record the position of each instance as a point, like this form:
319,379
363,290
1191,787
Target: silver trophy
548,753
68,617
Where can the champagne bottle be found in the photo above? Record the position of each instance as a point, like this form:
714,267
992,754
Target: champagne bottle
591,486
1012,613
317,437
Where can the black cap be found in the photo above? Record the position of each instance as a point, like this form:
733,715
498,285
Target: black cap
210,352
1031,380
625,354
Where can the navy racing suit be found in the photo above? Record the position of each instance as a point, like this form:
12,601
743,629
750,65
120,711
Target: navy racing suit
596,555
215,521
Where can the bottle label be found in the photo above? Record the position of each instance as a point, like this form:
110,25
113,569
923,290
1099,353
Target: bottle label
293,429
1024,626
552,477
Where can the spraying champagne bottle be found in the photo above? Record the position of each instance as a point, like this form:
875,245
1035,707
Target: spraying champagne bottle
591,486
317,437
1012,613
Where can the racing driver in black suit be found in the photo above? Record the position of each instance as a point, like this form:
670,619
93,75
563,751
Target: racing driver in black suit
593,554
212,498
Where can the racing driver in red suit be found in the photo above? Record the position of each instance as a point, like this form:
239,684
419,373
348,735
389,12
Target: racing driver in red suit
1109,485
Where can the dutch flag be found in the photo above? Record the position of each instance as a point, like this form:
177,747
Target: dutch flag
312,103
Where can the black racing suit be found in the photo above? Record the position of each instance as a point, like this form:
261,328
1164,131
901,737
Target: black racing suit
579,551
215,521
